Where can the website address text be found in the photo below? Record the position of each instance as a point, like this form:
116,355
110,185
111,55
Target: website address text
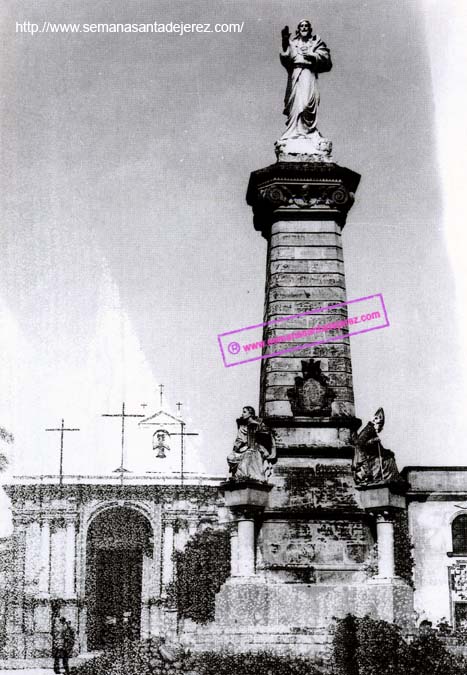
180,28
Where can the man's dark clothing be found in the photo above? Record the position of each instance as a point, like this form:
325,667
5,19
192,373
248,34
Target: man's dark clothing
60,654
63,643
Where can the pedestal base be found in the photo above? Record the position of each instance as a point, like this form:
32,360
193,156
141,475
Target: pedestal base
380,497
313,643
241,602
246,494
312,148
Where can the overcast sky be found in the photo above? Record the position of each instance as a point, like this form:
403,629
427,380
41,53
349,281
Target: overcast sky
127,245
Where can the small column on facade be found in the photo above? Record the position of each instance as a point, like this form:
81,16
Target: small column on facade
44,558
19,535
233,549
385,538
167,551
57,557
246,544
181,534
32,557
70,557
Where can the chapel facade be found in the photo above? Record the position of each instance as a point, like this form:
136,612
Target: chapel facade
97,552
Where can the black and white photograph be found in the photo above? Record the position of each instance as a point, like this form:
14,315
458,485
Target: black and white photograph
233,337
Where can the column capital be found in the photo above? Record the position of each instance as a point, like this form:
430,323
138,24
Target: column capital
384,516
70,519
232,527
246,512
169,521
297,190
57,523
21,521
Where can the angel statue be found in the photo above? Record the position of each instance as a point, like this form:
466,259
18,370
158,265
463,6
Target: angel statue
254,449
372,463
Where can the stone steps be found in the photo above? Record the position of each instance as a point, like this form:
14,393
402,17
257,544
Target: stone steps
299,641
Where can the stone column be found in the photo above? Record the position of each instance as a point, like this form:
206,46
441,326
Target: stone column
181,535
167,551
246,545
234,549
57,557
32,555
19,535
44,558
385,538
301,209
70,557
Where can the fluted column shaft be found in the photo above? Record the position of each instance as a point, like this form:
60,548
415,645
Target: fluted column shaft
44,576
70,557
167,552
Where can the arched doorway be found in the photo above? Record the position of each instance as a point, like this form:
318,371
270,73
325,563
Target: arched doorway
118,543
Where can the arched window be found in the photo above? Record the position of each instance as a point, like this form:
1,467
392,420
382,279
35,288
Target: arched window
459,535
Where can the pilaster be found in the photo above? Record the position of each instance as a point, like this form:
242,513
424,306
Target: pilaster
167,552
70,557
44,574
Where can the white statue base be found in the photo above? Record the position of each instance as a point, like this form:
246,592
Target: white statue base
312,148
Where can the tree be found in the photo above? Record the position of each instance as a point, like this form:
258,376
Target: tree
6,437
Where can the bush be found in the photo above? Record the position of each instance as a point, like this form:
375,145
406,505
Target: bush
201,569
369,647
403,548
144,658
427,654
345,645
131,658
381,649
260,663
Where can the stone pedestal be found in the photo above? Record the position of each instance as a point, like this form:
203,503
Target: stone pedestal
381,498
245,495
315,534
304,149
311,606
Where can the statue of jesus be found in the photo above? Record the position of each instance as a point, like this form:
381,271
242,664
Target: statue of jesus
304,56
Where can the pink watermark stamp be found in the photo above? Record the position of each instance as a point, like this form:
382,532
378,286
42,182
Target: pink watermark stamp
299,331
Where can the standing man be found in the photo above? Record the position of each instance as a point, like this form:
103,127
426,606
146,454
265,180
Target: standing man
63,641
